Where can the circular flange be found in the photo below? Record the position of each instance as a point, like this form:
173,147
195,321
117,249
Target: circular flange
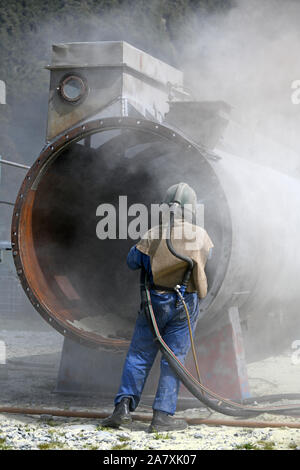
31,181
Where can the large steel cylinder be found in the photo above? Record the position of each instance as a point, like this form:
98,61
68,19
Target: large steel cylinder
82,286
264,268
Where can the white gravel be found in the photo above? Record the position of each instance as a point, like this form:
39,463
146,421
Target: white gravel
43,433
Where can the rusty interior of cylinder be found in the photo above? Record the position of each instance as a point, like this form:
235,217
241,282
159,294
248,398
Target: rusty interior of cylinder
84,282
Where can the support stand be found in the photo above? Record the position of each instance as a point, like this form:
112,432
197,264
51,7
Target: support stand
221,359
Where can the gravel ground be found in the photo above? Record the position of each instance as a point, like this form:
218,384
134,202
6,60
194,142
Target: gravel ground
45,433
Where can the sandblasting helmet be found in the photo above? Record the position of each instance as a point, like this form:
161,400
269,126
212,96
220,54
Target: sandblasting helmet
181,194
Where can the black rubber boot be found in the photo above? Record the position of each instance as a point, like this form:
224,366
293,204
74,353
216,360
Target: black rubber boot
161,421
121,415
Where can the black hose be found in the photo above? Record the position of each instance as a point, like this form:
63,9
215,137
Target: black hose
179,371
221,405
187,259
183,377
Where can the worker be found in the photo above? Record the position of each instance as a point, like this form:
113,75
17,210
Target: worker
164,272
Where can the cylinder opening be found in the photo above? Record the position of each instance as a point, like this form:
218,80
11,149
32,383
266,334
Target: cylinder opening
80,282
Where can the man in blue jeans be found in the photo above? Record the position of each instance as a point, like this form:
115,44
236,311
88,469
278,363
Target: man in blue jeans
164,271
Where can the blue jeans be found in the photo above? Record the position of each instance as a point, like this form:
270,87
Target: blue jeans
173,327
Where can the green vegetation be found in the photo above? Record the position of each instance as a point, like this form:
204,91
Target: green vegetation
247,446
52,423
3,445
51,445
91,447
293,446
29,27
102,428
53,432
158,436
121,447
266,445
259,445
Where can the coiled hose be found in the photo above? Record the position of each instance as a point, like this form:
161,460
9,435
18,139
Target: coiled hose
203,394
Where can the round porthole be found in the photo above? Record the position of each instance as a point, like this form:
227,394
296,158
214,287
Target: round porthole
73,88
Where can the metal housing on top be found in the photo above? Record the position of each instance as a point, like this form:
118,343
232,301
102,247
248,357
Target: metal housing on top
121,80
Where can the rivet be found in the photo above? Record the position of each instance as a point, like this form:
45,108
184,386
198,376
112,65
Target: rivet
83,127
28,289
37,305
138,122
67,136
15,253
19,271
51,148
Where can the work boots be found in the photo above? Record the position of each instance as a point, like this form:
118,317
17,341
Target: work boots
120,416
162,421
